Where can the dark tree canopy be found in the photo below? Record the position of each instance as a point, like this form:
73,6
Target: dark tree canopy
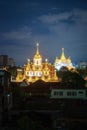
72,79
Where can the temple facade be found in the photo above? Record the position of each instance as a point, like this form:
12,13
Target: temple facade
36,70
63,62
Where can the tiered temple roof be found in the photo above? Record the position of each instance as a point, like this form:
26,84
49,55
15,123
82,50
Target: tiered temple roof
37,70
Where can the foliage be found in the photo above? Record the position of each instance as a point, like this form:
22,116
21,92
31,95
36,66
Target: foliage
82,72
72,79
13,71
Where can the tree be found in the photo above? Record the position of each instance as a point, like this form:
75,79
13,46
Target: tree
72,79
13,71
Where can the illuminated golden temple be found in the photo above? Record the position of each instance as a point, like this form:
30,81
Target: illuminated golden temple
36,70
63,62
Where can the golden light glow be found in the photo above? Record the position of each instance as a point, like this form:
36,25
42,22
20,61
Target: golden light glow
63,61
37,70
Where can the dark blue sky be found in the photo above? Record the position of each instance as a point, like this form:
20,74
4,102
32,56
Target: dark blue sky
52,23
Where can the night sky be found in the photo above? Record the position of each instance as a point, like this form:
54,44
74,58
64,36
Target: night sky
54,24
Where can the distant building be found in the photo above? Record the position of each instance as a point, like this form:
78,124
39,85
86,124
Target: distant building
83,65
69,93
6,61
36,70
3,60
63,62
11,62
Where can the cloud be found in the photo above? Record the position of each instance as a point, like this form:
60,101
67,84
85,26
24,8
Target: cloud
79,16
51,19
75,15
70,26
17,44
21,34
66,29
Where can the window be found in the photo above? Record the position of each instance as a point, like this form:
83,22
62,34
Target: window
55,93
80,92
71,93
60,93
68,93
74,93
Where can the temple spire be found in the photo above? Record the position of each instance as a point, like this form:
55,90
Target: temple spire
63,55
37,51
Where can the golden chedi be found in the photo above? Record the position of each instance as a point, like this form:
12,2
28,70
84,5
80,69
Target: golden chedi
63,62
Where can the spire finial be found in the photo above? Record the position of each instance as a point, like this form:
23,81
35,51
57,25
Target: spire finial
62,49
37,52
63,55
37,44
28,60
46,60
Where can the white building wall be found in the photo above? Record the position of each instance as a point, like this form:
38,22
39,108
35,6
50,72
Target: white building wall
69,93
